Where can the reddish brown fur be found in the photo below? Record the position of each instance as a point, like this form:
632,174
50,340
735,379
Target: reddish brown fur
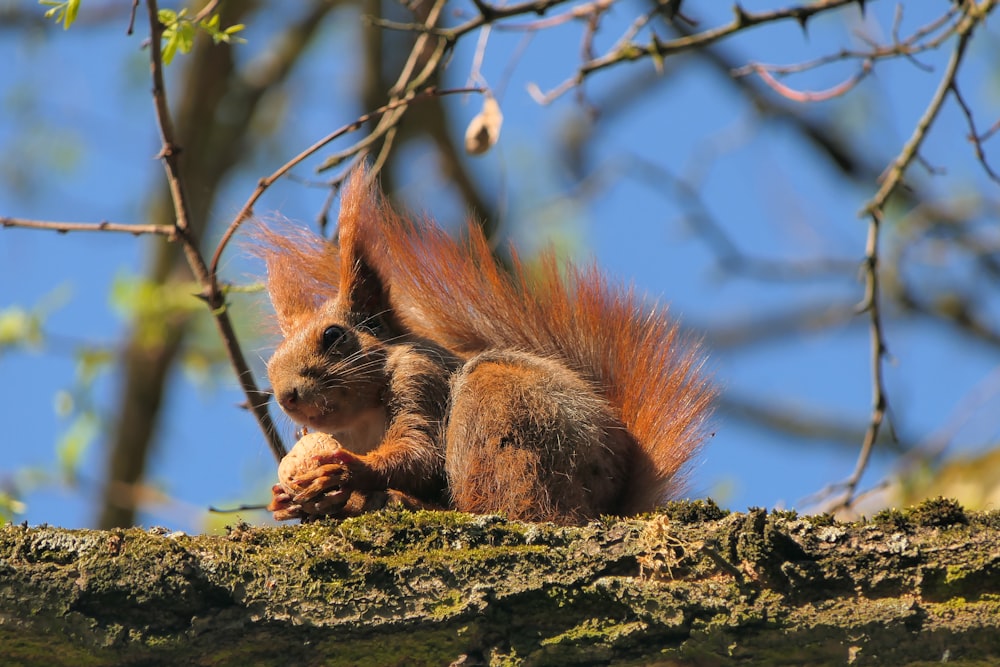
531,439
379,390
582,400
456,293
303,272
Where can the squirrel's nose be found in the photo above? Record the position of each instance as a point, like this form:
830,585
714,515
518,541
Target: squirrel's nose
289,398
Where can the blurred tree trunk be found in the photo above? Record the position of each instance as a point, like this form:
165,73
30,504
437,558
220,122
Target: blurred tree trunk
693,585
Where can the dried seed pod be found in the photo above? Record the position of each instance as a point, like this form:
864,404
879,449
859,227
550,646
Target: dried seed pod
484,129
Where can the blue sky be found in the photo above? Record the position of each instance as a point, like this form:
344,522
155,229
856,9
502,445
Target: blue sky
78,140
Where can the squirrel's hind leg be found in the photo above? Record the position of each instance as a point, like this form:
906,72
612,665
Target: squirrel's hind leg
530,439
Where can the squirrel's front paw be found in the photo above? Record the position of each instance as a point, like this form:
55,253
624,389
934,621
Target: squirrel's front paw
324,487
283,506
316,478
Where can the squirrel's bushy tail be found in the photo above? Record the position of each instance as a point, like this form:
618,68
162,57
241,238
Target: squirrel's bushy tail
455,292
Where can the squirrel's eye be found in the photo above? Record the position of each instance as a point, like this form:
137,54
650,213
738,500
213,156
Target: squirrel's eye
332,336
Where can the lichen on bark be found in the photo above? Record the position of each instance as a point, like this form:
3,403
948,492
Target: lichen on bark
692,584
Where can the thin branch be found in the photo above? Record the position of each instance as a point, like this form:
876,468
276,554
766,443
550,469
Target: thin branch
388,125
63,227
492,14
584,11
257,400
206,11
880,401
812,96
658,49
404,87
990,132
906,48
419,28
974,136
131,18
894,175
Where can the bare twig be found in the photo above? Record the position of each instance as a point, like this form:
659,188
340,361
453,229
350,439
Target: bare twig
974,137
658,49
131,17
405,86
990,132
907,48
257,400
585,11
206,11
812,96
880,402
63,227
894,175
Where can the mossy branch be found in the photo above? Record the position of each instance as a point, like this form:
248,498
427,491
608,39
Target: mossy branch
692,585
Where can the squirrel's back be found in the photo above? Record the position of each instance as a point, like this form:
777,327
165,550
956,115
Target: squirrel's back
456,293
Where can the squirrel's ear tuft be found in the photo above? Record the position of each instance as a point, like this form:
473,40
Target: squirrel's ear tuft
303,271
361,230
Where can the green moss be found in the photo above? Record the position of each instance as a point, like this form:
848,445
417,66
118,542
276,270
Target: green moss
591,631
955,574
20,648
938,513
973,579
696,511
449,605
892,521
787,515
820,520
989,519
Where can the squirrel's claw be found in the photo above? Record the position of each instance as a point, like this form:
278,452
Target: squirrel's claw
331,480
282,506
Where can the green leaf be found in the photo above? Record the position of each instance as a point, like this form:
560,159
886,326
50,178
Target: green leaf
10,505
74,443
167,17
72,8
169,49
19,327
179,32
92,362
64,12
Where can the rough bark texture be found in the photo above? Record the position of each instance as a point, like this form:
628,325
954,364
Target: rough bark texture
691,585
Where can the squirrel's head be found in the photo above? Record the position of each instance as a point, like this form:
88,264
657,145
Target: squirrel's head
334,311
331,372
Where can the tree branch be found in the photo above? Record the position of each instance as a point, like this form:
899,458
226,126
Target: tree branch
691,585
257,400
170,231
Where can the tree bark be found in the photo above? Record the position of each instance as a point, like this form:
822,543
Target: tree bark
690,585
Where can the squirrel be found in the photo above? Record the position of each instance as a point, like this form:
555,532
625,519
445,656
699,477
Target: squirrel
433,376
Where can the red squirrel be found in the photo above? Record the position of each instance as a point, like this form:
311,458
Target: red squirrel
432,376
